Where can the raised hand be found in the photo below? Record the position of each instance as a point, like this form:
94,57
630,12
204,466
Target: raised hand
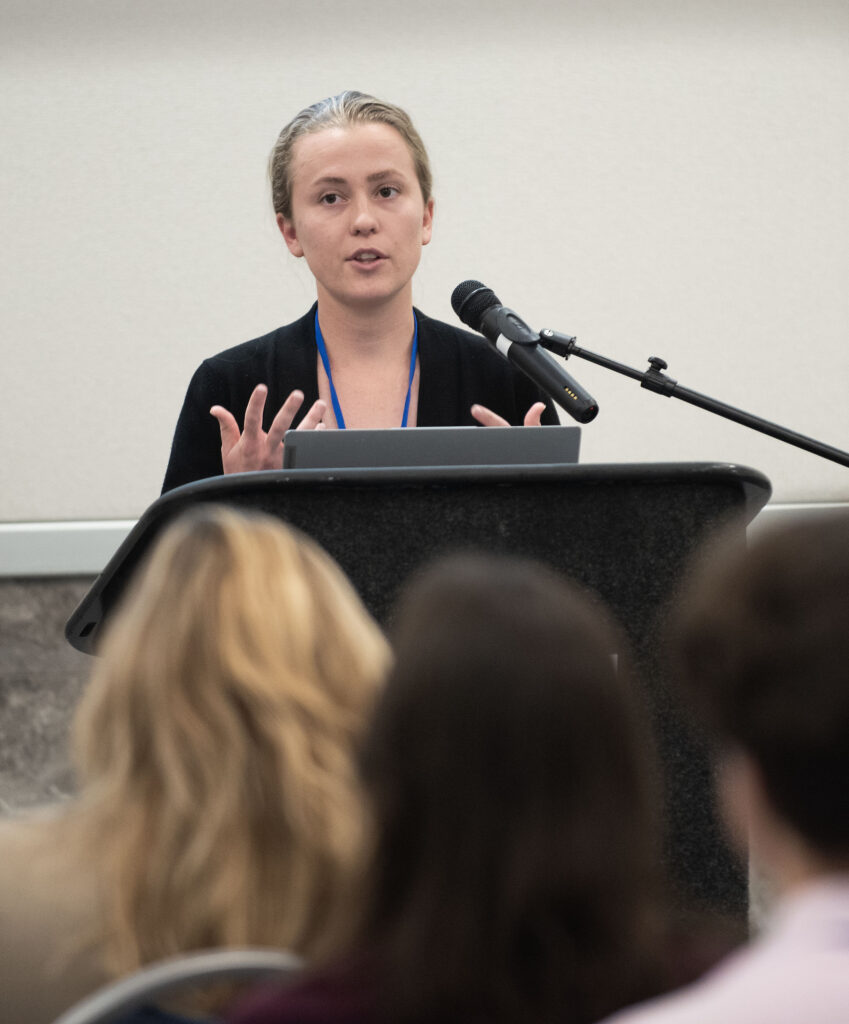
251,448
491,419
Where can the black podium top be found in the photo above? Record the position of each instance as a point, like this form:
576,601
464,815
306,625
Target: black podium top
606,525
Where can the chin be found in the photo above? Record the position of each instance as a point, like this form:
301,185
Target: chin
372,296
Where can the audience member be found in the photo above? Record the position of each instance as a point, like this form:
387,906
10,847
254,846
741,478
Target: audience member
513,874
218,799
763,646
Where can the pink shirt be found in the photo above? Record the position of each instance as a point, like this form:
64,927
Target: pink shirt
796,972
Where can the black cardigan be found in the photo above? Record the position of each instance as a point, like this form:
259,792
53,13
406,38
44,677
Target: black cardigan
457,369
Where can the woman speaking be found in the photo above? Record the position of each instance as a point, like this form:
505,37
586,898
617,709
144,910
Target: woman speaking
351,186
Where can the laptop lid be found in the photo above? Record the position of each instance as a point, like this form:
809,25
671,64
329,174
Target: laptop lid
431,446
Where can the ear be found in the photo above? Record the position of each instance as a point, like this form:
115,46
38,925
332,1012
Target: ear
427,221
290,235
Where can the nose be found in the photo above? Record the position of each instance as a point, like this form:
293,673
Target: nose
364,221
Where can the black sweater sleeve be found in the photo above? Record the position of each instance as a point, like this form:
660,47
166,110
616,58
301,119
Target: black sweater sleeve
196,448
283,360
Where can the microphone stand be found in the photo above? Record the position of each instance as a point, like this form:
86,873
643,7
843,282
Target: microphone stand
654,379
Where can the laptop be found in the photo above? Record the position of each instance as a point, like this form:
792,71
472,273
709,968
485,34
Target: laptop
431,446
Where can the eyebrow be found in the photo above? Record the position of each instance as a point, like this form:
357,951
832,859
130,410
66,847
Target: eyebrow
376,176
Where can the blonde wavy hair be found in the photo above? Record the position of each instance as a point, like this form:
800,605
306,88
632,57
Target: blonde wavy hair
215,744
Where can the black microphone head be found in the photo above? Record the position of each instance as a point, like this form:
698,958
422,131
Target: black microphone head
470,300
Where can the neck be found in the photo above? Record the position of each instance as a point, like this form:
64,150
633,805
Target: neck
366,333
776,847
792,863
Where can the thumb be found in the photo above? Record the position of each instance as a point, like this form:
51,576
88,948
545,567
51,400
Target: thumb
533,416
230,432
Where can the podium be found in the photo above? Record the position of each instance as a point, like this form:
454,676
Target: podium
624,531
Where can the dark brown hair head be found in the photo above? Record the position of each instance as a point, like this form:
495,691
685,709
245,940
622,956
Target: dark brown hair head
761,645
506,765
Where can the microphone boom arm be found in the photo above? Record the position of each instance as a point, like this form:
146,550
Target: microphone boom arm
654,379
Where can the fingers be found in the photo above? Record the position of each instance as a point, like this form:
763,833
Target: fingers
228,426
313,418
487,417
283,420
254,410
533,417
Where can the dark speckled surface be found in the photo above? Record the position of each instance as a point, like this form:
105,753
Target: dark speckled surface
625,532
41,677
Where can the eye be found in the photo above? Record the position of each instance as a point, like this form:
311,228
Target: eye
329,198
387,191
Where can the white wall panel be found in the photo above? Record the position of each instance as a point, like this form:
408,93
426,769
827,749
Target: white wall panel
657,178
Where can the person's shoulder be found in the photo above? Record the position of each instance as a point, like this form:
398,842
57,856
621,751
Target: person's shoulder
482,375
259,350
470,353
41,866
339,994
30,833
693,1004
757,981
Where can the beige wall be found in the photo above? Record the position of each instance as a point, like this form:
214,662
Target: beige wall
659,178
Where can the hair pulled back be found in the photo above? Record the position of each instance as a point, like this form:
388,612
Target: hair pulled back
345,110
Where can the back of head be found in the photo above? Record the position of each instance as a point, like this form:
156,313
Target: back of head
512,804
762,644
218,731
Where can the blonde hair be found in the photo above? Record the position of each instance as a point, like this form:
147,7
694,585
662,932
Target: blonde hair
215,743
342,111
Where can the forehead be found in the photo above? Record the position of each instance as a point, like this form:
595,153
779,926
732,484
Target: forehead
350,153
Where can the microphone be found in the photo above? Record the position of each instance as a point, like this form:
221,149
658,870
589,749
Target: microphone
480,308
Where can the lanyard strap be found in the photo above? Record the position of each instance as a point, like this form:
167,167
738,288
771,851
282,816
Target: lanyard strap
334,398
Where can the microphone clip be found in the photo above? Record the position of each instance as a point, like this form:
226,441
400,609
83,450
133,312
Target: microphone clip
560,344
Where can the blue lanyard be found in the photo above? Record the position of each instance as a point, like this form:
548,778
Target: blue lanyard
334,398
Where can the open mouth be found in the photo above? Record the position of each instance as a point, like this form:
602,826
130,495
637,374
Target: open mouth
367,256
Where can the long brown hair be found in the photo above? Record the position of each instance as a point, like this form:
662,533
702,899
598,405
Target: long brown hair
514,866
